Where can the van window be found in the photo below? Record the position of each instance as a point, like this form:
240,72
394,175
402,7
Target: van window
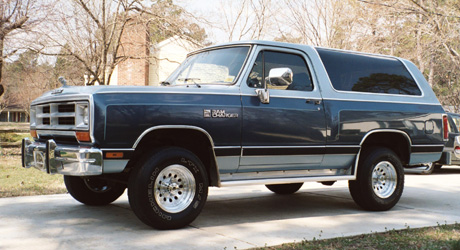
367,73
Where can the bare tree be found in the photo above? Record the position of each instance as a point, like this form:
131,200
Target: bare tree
319,22
16,16
246,19
90,32
96,32
427,32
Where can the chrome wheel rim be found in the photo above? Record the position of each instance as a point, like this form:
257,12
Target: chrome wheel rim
384,179
174,188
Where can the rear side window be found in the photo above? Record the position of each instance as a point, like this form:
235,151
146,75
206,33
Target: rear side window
367,73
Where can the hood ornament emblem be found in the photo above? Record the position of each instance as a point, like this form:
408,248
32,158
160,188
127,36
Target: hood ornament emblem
63,81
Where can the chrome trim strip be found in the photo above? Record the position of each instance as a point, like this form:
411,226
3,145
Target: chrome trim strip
285,180
249,147
415,102
379,101
320,146
386,130
428,145
173,127
117,149
56,132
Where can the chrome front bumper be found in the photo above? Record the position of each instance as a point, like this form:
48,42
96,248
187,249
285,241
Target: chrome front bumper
61,159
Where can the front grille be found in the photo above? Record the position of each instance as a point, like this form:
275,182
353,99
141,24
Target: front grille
66,108
66,120
60,116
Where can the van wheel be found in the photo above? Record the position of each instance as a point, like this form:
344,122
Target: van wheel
289,188
92,190
380,180
168,189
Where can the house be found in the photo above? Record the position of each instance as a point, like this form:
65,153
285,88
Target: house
14,113
166,56
146,64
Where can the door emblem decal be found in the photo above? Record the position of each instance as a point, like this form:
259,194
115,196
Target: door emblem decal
218,113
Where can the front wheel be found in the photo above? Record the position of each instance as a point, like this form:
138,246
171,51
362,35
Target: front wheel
168,189
93,191
380,180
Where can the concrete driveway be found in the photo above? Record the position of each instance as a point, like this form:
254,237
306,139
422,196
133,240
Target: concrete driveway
237,217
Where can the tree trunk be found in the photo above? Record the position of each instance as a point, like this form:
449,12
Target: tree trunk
431,73
2,89
421,63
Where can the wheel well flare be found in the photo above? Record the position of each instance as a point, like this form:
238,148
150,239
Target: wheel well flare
197,141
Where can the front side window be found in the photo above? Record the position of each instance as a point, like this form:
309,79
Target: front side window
219,66
367,73
267,60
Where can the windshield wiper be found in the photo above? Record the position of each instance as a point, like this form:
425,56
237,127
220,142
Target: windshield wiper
165,83
185,80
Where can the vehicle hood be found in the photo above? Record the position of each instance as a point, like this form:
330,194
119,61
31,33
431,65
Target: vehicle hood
84,92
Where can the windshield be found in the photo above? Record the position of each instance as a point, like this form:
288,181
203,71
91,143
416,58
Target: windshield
219,66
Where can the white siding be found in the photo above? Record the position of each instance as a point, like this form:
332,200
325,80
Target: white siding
166,57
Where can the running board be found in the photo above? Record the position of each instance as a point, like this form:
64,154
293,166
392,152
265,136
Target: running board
231,183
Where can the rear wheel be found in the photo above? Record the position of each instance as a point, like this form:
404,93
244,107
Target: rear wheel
289,188
93,190
168,189
380,180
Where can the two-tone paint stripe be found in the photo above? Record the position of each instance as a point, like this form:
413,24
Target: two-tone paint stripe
284,150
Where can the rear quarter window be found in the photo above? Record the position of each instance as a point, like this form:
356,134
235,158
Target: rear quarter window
367,73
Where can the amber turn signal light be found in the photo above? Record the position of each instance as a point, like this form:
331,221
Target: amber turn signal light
114,155
33,133
83,136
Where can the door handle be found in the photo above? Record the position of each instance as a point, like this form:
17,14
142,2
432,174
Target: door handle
315,101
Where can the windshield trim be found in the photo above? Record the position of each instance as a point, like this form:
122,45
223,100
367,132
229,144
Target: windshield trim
237,78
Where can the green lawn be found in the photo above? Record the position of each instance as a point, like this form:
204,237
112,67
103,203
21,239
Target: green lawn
18,181
446,237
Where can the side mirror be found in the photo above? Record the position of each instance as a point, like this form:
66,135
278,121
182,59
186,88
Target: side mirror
264,95
280,77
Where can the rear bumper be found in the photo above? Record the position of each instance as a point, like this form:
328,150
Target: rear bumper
451,155
52,158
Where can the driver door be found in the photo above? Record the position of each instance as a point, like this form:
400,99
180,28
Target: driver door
289,132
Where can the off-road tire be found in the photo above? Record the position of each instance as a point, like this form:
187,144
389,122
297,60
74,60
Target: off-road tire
169,188
93,191
380,180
